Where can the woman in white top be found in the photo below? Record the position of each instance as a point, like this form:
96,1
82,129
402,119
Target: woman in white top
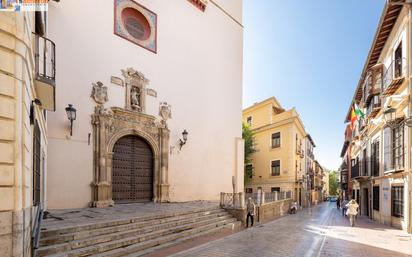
352,211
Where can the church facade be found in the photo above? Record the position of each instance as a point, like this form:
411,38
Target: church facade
157,91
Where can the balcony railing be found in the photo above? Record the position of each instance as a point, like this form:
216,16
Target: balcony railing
374,107
45,71
348,133
394,76
45,58
298,149
355,171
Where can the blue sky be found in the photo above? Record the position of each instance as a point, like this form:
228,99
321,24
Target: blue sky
309,54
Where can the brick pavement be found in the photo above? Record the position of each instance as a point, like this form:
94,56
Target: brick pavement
318,231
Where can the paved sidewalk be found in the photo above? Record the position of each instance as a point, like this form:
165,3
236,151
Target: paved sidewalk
318,231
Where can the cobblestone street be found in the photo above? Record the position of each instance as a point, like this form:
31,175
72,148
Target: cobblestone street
317,231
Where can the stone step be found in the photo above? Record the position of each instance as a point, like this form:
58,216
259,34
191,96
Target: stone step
232,226
153,245
72,228
164,228
111,241
146,226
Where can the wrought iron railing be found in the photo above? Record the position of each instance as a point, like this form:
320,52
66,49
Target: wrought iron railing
374,104
45,59
232,200
396,70
266,197
238,200
35,237
355,171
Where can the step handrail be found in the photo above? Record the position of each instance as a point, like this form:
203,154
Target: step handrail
35,238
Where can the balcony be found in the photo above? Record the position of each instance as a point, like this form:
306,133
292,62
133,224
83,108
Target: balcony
374,107
355,171
45,71
394,76
348,133
310,154
360,170
298,149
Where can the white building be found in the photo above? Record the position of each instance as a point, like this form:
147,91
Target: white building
137,56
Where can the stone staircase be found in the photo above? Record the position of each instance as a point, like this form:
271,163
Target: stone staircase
133,236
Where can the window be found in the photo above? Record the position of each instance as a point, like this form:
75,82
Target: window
275,168
40,23
249,190
249,120
136,24
275,189
398,61
365,163
276,140
36,164
398,154
375,158
397,201
376,198
394,155
387,149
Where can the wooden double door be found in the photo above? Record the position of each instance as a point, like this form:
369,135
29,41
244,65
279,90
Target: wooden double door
132,172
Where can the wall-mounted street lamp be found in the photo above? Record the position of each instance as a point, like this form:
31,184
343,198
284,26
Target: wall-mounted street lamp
33,103
390,115
183,141
71,115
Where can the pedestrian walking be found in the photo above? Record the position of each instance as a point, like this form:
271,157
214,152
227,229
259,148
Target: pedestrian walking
251,210
338,203
293,208
343,205
352,211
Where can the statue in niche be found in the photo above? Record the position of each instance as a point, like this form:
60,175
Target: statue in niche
135,98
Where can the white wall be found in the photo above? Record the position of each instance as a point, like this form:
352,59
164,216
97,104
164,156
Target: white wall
197,69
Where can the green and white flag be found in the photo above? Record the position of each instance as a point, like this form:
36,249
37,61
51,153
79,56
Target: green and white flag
359,113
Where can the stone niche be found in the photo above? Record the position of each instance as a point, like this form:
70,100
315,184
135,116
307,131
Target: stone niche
111,124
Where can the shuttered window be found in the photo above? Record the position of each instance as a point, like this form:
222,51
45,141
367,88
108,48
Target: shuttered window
397,201
387,149
398,153
375,158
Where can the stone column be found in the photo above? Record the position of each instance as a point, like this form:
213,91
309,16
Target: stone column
164,165
242,199
102,163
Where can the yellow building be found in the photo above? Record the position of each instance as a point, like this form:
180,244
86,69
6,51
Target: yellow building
278,164
318,183
26,92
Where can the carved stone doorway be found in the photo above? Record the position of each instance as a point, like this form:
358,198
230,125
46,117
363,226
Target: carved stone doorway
132,174
110,126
